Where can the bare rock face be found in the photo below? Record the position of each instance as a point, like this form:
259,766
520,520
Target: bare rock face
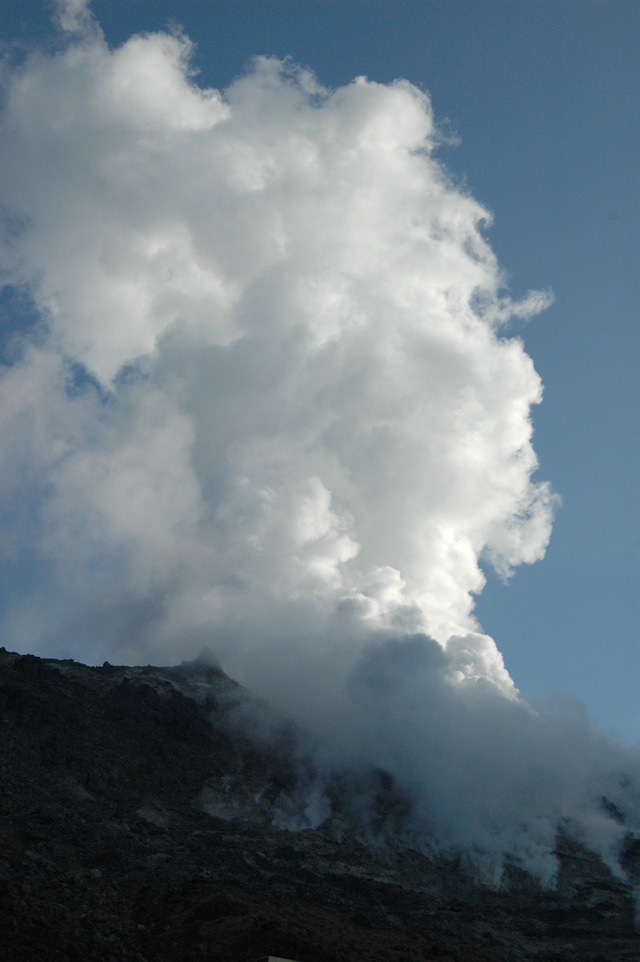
140,823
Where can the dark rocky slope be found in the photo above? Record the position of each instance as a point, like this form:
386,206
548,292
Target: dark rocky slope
136,824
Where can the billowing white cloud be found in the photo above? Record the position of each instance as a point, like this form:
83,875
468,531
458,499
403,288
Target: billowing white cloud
268,404
294,384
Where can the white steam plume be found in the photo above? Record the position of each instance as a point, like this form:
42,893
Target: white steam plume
267,404
270,366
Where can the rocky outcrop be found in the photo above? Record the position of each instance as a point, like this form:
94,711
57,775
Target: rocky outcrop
137,824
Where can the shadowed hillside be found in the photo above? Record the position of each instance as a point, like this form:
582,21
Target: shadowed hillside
138,824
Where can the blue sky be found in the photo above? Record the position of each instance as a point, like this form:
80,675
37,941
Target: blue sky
542,97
